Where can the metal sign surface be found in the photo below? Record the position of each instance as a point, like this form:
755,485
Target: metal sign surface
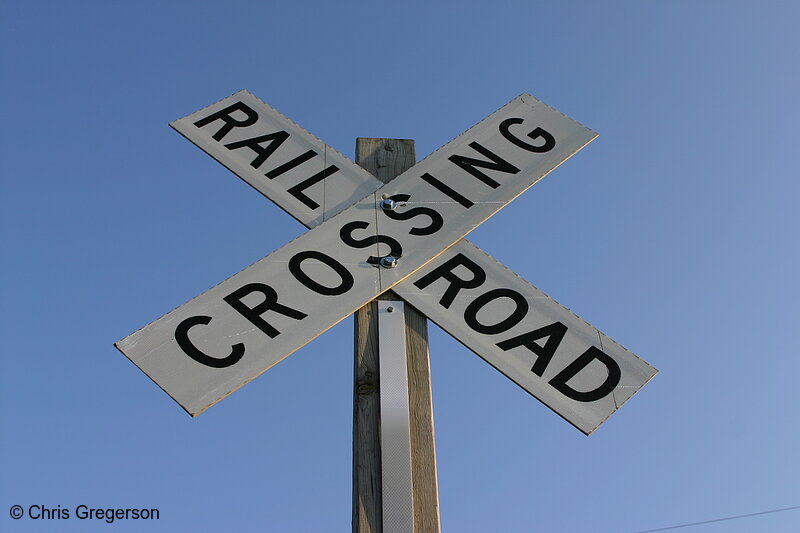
568,364
217,342
586,416
224,338
307,178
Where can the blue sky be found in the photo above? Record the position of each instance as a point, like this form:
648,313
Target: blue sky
675,233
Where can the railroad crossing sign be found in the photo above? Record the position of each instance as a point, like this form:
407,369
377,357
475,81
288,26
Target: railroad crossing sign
366,238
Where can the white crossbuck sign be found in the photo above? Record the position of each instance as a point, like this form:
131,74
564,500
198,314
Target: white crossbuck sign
366,238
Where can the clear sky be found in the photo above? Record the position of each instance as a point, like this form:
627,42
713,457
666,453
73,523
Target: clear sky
676,233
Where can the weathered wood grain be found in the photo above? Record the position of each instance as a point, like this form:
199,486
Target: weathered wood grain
386,159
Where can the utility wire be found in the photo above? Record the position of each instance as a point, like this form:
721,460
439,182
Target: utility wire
721,519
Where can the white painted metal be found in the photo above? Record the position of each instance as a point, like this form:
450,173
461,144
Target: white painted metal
398,504
458,220
517,362
585,417
196,386
332,194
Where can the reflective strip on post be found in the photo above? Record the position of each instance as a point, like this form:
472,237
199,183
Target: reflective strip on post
398,505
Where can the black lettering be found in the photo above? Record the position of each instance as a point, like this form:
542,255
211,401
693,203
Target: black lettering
471,312
445,270
295,267
346,234
572,370
436,219
449,192
549,140
297,190
226,116
275,140
553,332
289,165
182,337
270,303
472,165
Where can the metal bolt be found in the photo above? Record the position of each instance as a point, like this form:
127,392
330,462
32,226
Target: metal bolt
388,204
388,261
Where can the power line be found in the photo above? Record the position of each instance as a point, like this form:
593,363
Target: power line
720,519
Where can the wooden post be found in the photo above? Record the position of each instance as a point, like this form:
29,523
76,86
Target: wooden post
386,159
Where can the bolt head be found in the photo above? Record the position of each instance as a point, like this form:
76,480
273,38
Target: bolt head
387,204
388,262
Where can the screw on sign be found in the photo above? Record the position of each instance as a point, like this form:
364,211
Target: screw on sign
367,237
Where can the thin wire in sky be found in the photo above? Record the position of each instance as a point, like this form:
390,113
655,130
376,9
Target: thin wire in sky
721,519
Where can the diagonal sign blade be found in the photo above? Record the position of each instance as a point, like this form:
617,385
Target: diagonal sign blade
249,151
222,339
308,179
565,362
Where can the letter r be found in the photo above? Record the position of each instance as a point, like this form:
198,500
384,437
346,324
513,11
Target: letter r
226,115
